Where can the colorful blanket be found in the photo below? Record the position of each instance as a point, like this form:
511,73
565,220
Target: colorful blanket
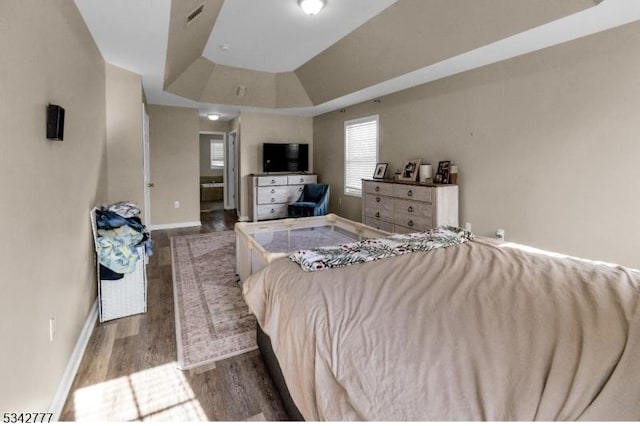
379,248
117,248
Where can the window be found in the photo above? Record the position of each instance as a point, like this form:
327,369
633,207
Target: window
360,152
217,154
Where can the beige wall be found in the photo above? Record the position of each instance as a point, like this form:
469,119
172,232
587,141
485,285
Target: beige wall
257,128
547,144
207,125
125,155
48,188
174,158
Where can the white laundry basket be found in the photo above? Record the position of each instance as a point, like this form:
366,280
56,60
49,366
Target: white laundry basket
123,297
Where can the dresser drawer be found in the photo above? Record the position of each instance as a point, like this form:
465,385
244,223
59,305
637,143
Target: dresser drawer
294,192
412,221
378,224
378,201
379,211
272,180
378,188
274,194
272,211
301,179
403,207
404,230
413,192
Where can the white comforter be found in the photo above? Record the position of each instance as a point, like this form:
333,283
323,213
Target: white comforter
472,332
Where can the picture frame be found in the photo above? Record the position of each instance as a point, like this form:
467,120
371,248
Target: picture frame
381,170
442,176
410,171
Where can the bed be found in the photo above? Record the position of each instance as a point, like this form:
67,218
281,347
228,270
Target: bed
476,331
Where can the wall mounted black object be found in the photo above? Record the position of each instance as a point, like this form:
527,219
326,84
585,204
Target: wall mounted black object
55,122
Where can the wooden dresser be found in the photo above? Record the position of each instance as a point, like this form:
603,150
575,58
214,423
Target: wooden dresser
404,207
270,195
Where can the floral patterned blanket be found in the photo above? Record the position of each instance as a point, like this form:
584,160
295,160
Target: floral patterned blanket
379,248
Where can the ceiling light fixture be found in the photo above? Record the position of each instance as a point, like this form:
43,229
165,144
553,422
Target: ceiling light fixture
213,117
311,7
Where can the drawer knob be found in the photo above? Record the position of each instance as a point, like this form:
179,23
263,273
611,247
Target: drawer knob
273,181
273,191
273,200
301,179
377,199
377,188
377,214
410,209
409,193
299,189
273,210
410,223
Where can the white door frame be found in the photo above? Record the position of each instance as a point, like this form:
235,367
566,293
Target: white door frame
224,171
146,167
231,173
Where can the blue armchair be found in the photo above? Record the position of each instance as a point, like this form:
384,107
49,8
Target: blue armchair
314,201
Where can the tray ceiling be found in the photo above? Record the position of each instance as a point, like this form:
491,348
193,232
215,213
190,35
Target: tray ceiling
269,56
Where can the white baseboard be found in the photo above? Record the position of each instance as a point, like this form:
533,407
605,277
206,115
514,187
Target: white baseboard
175,225
57,404
243,219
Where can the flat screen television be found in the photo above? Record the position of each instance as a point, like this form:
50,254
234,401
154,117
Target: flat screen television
285,157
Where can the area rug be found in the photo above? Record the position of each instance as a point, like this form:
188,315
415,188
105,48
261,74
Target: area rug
212,320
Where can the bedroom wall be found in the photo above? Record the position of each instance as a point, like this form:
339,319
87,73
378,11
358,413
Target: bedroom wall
125,152
48,188
175,168
207,125
547,144
257,128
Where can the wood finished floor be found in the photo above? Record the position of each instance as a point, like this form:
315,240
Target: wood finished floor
129,373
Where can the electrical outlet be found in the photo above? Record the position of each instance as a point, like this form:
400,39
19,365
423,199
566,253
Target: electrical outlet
176,204
467,226
500,235
52,328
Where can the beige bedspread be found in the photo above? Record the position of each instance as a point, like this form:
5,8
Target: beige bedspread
473,332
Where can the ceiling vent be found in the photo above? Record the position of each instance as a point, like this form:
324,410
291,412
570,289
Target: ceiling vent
194,15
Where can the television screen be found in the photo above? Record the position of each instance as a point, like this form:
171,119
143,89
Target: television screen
285,157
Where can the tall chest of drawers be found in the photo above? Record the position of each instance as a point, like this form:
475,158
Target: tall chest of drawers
408,207
272,194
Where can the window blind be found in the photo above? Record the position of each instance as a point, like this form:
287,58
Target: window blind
217,154
361,152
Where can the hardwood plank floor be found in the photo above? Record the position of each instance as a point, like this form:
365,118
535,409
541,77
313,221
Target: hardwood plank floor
129,373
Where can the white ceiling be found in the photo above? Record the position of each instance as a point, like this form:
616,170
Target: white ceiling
133,35
277,36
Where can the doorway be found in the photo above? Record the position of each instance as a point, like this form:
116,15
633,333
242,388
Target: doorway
212,171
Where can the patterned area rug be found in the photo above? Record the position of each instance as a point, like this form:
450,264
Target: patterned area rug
212,320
